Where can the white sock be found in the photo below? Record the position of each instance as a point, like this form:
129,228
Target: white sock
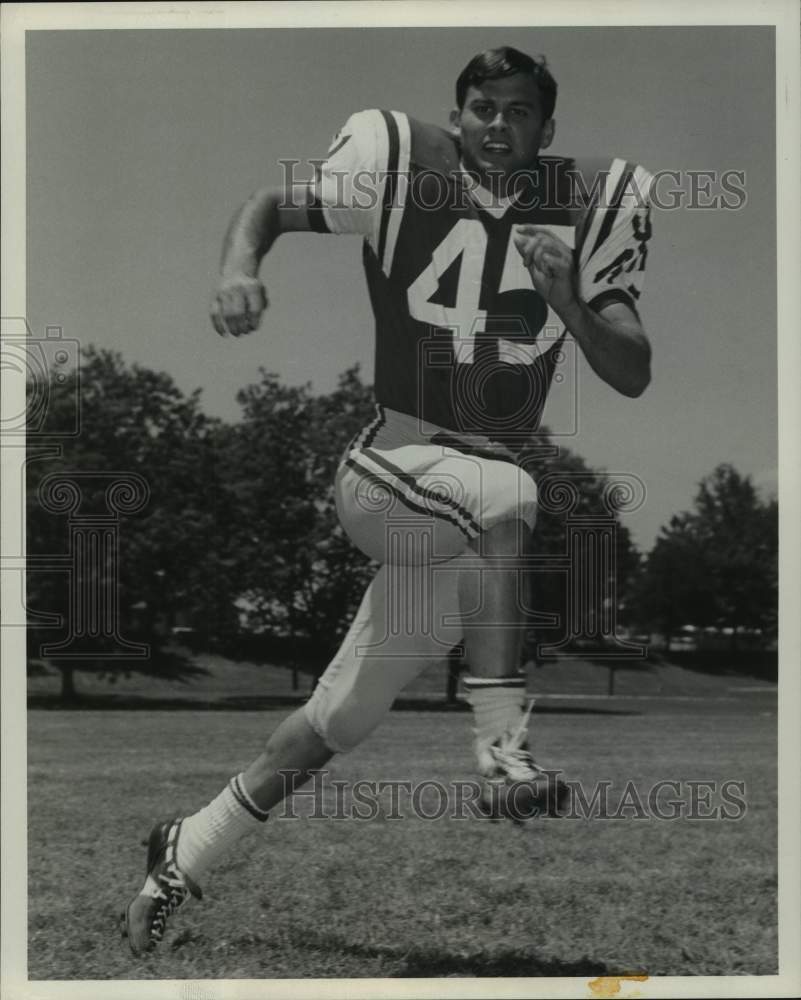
209,833
497,705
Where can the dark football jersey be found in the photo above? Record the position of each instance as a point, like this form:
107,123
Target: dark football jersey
463,340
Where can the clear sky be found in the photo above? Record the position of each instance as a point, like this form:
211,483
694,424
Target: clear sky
141,144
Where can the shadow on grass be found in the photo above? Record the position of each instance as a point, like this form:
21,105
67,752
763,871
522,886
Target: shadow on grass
761,664
421,963
642,666
168,663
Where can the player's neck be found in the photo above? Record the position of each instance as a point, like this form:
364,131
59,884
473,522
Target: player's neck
500,187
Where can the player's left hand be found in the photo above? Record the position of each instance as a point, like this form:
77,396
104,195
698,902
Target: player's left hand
549,261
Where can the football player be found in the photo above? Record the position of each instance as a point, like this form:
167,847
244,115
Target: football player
481,255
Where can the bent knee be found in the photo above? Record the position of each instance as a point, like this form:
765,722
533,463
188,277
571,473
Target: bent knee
341,725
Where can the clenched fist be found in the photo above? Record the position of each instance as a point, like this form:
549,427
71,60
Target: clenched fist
549,261
238,305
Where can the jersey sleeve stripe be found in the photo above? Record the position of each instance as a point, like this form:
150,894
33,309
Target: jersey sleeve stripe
596,212
396,207
391,183
613,207
643,181
351,180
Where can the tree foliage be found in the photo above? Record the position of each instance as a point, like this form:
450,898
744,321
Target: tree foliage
243,511
170,558
716,565
568,539
302,577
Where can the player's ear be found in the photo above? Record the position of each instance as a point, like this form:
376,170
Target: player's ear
548,130
455,119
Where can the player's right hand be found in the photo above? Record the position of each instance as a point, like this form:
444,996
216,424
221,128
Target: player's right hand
238,305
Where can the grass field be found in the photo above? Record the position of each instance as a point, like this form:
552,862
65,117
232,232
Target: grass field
410,897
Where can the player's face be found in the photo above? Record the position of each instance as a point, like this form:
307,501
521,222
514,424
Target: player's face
502,128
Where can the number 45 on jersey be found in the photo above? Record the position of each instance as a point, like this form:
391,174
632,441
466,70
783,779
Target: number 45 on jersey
468,239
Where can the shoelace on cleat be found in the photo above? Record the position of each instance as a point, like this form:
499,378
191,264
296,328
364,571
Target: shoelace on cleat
519,764
519,735
512,756
173,895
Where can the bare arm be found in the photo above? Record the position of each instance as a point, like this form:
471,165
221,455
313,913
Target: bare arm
240,298
612,340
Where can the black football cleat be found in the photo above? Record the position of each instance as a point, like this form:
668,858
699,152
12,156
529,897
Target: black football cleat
166,888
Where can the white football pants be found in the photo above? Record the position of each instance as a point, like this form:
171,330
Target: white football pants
413,501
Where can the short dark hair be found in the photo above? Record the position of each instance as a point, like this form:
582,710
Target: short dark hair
506,61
